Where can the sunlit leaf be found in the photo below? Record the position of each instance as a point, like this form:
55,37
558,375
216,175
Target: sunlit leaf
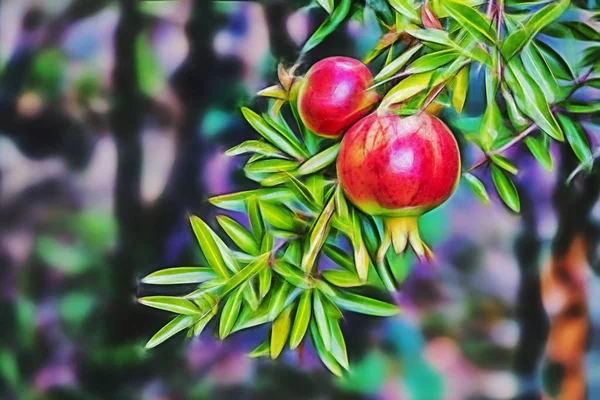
230,313
317,236
240,236
179,275
430,35
175,326
256,146
322,320
338,344
361,256
325,355
364,305
206,240
280,331
341,278
460,86
540,152
475,22
262,350
292,274
319,161
432,61
245,273
405,8
399,62
176,305
237,201
504,163
406,89
278,217
327,5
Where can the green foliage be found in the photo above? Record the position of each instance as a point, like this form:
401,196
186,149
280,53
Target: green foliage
273,273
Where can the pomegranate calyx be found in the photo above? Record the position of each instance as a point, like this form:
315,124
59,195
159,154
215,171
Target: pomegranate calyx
401,232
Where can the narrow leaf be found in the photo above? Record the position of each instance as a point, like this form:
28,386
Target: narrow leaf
342,278
256,146
406,89
578,141
230,313
321,320
303,313
364,305
338,344
318,234
399,62
475,22
172,328
245,273
176,305
506,189
319,161
240,236
179,275
405,8
292,274
262,350
540,152
326,357
280,331
504,163
460,87
477,186
209,247
337,16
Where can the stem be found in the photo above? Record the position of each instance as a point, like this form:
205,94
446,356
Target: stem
502,149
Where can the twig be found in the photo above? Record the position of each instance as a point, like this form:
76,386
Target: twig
502,149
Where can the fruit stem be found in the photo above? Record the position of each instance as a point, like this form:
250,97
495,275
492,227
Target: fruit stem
404,231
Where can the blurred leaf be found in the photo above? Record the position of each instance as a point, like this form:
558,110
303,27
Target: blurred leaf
506,189
206,240
240,236
504,163
578,141
539,151
327,5
322,320
245,273
326,357
406,89
151,77
475,22
176,305
262,350
9,370
364,305
399,62
176,325
301,320
338,344
319,161
230,313
582,108
406,8
179,275
338,15
531,100
255,146
292,274
460,88
280,331
342,278
477,186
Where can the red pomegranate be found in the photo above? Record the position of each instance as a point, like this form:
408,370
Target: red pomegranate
333,95
399,168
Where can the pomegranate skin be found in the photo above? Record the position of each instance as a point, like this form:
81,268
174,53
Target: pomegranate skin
334,95
398,167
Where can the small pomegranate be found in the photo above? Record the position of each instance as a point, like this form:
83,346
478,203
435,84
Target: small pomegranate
333,95
399,168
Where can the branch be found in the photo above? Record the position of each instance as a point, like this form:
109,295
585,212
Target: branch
502,149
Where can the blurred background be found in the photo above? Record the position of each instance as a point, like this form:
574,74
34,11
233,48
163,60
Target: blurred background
114,119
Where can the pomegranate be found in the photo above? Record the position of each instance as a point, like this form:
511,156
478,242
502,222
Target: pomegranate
333,95
399,168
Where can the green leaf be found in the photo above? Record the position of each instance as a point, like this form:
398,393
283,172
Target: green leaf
324,354
206,240
249,318
517,119
293,254
256,146
477,186
490,125
303,193
319,161
175,326
329,25
405,8
531,100
432,61
504,163
240,236
475,22
506,189
316,183
578,140
513,44
278,217
262,350
265,276
280,331
540,152
361,256
230,313
255,217
237,201
292,274
406,89
342,278
301,320
281,298
339,257
539,70
271,134
364,305
430,35
179,275
558,65
201,324
176,305
245,273
341,206
327,5
389,70
317,236
460,85
582,108
270,166
338,344
322,320
546,16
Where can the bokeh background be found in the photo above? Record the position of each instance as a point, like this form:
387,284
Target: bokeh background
114,119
